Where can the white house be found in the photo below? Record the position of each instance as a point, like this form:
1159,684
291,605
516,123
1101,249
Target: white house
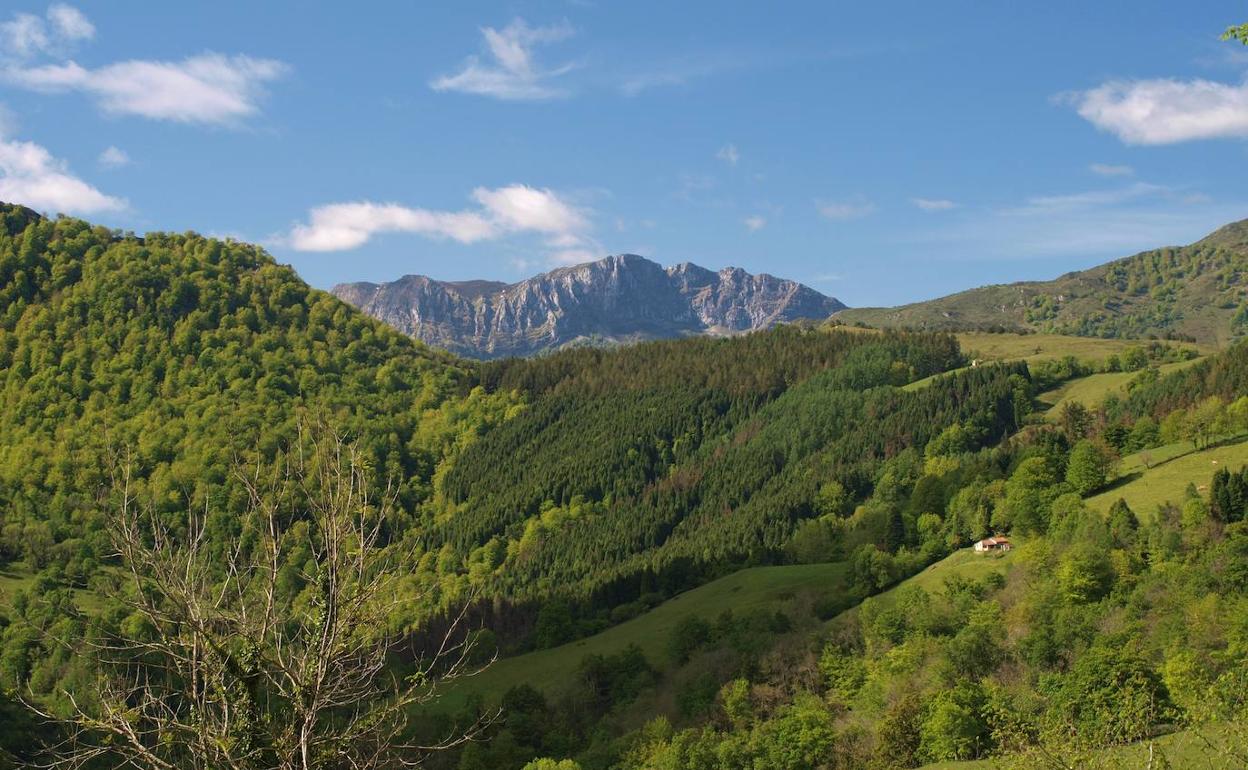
997,543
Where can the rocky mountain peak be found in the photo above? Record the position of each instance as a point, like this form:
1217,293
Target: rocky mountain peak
621,298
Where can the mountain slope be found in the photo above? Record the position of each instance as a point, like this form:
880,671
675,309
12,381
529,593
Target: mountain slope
622,298
1194,292
192,353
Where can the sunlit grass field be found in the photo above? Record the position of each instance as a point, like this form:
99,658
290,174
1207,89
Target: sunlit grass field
554,670
1092,390
1174,466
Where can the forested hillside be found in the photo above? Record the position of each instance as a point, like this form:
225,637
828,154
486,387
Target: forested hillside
180,366
655,468
1096,630
556,491
1193,292
180,356
548,499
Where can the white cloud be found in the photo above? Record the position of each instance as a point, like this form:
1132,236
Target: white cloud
31,176
729,154
209,89
27,35
341,226
513,74
505,210
1105,169
855,208
520,207
1166,111
1090,199
934,204
69,22
113,157
755,223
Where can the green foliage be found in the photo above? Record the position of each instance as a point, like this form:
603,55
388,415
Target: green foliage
182,358
551,764
1089,466
1085,573
955,726
1111,696
694,458
690,633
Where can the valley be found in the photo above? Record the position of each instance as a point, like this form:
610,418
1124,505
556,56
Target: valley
613,386
660,551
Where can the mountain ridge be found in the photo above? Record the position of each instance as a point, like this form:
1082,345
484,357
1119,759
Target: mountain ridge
621,298
1197,292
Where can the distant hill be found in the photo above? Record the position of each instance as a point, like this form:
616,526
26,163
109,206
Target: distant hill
1195,292
623,298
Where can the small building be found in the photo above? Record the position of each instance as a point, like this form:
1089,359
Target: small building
997,543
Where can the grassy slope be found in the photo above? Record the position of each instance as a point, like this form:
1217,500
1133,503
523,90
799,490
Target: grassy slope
14,579
1044,347
1093,389
1034,348
964,562
1174,467
555,669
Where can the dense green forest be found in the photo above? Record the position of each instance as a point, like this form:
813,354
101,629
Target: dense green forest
178,359
545,500
663,479
1095,631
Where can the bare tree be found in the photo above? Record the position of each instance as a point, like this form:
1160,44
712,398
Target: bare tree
225,668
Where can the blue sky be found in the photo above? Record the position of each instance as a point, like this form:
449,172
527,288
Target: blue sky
880,152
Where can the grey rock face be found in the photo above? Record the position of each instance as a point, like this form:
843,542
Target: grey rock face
623,298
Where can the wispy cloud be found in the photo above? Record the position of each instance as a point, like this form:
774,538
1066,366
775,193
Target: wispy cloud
113,157
209,89
30,175
755,223
511,74
934,204
1089,199
844,210
68,23
729,154
681,72
1165,111
500,212
27,35
1092,225
1105,169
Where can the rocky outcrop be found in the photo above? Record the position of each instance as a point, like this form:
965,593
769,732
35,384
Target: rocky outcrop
623,298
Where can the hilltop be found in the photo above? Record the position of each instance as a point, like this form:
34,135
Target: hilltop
1195,292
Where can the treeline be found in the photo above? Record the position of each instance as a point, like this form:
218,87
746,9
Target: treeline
1224,375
